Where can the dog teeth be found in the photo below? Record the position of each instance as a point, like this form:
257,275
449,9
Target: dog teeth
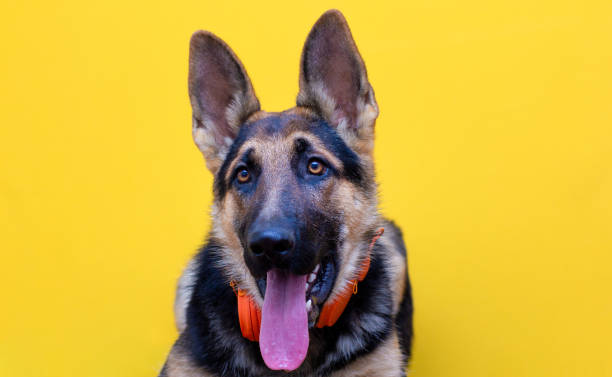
311,278
308,305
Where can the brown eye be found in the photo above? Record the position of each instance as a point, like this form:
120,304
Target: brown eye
243,176
316,167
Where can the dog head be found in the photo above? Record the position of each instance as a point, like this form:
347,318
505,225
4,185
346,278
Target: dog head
294,192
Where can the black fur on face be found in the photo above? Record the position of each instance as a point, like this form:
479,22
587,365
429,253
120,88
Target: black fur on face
280,174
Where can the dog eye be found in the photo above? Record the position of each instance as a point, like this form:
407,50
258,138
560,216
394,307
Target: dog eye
243,176
316,166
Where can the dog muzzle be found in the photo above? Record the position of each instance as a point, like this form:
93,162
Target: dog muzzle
290,354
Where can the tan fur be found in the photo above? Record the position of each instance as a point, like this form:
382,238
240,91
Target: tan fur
232,261
179,363
270,147
317,145
184,290
213,153
384,361
360,215
398,268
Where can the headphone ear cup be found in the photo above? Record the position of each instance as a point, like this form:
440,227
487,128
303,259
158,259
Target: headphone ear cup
333,309
255,318
244,316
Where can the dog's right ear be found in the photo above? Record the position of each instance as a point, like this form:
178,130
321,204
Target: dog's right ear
221,95
334,82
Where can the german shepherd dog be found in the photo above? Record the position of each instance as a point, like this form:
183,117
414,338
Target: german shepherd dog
295,278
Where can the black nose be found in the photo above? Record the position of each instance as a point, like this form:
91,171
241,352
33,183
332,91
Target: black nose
274,244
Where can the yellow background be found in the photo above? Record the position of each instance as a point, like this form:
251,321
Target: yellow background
494,152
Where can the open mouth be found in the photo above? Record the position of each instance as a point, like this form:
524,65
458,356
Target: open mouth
318,287
292,304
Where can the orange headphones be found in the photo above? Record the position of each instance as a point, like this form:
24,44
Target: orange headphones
249,313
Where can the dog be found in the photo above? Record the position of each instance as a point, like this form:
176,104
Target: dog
296,277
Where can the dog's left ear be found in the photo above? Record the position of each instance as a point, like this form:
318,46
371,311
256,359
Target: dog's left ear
334,82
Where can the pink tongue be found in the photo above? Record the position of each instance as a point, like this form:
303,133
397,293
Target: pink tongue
283,339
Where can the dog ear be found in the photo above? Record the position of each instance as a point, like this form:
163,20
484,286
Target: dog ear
221,95
334,82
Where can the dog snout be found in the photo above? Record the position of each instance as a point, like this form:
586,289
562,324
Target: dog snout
273,245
